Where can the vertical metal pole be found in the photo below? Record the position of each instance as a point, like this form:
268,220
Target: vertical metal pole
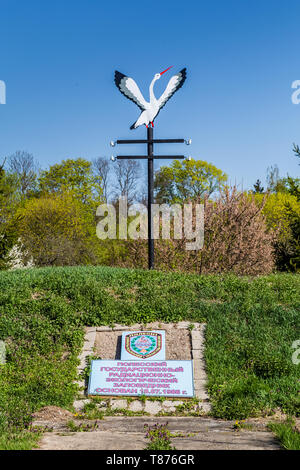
150,199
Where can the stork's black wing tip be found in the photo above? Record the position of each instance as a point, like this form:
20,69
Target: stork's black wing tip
118,77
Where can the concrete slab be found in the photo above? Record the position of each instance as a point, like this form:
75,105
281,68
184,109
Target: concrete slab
95,440
128,434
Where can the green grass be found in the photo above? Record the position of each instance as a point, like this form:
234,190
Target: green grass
251,325
286,434
19,440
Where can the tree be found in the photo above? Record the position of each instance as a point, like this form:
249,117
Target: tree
288,248
272,178
127,174
289,185
275,210
282,213
258,188
8,234
296,150
102,169
57,230
24,167
74,177
187,180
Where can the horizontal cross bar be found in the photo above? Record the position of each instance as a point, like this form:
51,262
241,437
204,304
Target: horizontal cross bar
153,141
154,157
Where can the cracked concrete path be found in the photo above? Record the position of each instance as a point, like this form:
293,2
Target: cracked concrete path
126,433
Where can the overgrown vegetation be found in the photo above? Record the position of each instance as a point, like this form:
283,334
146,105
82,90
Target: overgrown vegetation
288,436
49,217
251,325
57,230
236,240
159,437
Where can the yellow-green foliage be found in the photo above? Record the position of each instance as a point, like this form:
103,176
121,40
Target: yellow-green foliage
189,179
61,214
58,229
276,210
72,176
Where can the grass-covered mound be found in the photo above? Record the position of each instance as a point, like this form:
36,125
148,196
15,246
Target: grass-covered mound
251,325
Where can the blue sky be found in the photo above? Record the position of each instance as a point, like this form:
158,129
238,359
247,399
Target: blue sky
58,58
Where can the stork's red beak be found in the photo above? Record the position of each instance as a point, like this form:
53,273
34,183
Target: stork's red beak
166,70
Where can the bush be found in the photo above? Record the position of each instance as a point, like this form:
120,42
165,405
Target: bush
282,212
57,230
235,240
276,207
159,437
288,249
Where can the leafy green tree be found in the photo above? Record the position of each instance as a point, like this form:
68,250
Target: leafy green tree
74,177
187,180
289,185
275,210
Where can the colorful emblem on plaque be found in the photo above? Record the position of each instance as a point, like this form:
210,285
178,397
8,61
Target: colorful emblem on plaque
143,344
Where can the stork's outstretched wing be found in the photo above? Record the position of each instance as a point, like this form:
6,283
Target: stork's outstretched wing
174,84
129,88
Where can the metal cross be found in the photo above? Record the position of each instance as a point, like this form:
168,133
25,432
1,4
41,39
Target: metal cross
150,157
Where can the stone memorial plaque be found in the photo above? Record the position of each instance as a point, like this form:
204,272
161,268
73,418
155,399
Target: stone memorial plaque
133,378
143,345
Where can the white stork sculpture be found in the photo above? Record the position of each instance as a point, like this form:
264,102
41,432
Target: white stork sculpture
150,110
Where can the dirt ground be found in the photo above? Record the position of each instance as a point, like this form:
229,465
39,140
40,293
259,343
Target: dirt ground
52,413
178,344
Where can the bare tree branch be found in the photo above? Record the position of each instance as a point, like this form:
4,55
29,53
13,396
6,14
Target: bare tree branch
23,165
127,173
102,168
